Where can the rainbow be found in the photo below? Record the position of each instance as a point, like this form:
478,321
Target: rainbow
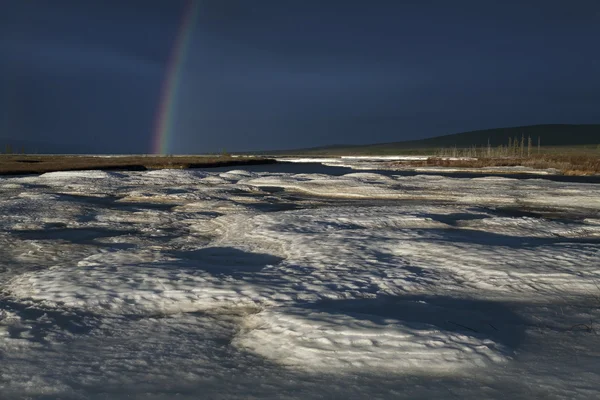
163,124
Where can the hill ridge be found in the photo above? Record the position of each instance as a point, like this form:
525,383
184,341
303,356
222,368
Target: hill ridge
549,134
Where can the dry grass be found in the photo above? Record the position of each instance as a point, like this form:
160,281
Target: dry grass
567,164
28,164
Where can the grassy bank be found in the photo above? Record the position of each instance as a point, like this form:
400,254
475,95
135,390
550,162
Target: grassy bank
567,164
38,164
429,151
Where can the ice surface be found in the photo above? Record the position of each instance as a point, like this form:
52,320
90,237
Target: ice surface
385,163
370,338
485,190
243,284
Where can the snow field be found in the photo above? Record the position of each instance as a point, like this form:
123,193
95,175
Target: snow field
174,280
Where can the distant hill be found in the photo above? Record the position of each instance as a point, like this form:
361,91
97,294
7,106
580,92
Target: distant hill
550,135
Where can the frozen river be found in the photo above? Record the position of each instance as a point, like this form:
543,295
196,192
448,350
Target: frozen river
298,281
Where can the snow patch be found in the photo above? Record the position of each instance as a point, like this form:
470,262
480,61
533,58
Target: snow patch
340,340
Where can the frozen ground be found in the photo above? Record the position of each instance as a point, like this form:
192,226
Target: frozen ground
366,163
278,285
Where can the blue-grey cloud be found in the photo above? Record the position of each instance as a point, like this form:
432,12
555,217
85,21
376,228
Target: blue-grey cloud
278,73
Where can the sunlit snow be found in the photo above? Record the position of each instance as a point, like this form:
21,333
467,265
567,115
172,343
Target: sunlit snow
391,163
241,284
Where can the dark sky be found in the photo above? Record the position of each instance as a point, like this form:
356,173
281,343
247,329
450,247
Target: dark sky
266,74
